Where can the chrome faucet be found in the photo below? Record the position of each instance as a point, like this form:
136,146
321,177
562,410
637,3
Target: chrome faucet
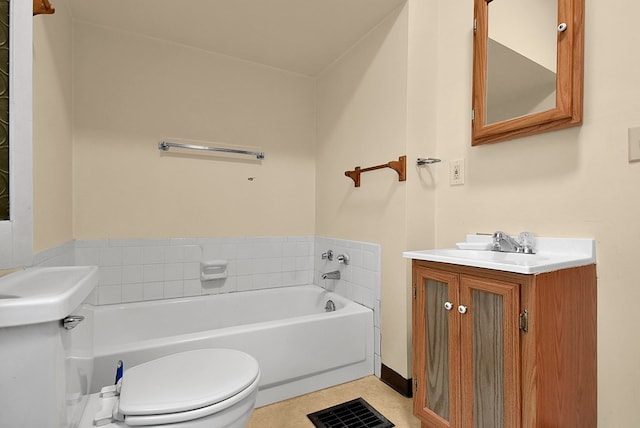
505,243
331,275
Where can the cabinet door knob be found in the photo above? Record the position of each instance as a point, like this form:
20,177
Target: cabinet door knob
448,305
462,309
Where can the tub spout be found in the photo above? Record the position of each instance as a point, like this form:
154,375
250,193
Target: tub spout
331,275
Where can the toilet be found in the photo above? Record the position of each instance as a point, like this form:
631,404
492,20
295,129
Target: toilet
205,388
47,365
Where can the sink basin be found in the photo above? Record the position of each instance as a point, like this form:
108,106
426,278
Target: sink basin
551,254
44,294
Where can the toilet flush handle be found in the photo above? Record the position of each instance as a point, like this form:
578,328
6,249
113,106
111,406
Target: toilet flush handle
71,321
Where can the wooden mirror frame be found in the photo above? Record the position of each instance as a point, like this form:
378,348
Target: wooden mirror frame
569,79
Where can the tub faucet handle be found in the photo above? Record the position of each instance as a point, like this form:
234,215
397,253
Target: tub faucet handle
344,259
327,255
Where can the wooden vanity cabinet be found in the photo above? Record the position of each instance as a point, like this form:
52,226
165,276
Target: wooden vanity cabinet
495,349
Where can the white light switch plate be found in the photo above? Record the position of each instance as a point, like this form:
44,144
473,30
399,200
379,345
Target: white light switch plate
634,144
456,172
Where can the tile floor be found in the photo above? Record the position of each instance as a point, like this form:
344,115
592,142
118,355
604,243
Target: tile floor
293,413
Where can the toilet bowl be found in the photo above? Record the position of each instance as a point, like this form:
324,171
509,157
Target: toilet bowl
205,388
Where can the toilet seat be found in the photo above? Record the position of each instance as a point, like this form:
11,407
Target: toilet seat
186,386
170,418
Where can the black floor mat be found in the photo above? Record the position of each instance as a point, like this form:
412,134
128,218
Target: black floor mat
352,414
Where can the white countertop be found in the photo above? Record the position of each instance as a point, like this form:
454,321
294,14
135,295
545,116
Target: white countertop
551,254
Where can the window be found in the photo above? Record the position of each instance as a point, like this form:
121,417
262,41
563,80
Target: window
4,110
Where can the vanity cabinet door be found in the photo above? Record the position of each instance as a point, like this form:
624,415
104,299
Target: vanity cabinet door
466,351
490,353
436,344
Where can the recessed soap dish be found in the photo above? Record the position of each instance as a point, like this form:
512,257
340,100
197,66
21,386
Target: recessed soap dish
213,269
478,246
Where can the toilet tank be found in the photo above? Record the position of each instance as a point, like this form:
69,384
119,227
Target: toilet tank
45,368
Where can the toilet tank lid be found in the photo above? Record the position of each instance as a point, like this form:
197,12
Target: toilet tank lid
186,381
44,294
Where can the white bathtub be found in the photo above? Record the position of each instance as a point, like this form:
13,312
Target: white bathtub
300,347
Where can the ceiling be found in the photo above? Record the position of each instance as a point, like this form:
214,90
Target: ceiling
302,36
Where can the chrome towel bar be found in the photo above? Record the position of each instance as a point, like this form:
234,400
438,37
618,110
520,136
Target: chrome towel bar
427,161
165,145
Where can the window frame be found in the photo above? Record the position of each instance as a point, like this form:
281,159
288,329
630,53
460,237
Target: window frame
16,234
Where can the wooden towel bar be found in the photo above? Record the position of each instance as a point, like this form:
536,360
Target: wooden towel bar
42,7
399,166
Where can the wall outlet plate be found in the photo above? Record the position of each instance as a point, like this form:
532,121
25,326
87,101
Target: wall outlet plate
634,144
456,172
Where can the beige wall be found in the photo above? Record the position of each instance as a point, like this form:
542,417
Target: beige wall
422,119
131,91
52,178
570,183
405,89
362,121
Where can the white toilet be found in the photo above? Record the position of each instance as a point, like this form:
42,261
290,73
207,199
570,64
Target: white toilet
205,388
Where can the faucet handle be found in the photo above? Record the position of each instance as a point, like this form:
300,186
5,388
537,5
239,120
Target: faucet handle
497,236
344,259
327,255
526,240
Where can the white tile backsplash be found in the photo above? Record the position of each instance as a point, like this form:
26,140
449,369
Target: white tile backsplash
153,273
192,287
132,274
147,269
174,254
87,256
153,290
253,263
192,253
110,256
91,243
153,255
173,272
109,294
132,256
173,289
109,275
191,270
132,292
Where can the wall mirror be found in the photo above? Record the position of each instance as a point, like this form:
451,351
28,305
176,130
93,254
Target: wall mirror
527,67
